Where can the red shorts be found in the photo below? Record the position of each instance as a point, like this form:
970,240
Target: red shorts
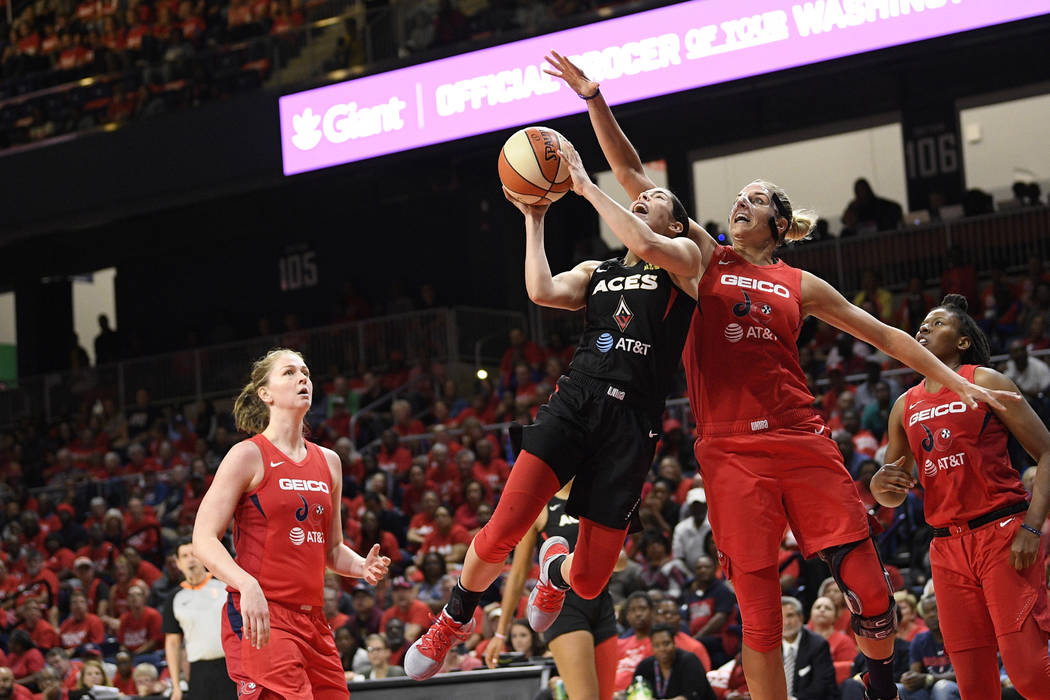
300,662
979,595
757,484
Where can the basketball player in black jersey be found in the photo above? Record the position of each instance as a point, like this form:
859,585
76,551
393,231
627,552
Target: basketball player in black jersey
583,638
602,422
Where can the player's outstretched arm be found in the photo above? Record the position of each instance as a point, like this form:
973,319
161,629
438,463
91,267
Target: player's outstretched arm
1024,424
822,300
566,290
679,255
617,148
239,471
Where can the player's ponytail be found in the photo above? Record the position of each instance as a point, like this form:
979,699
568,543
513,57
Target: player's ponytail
800,222
249,412
979,353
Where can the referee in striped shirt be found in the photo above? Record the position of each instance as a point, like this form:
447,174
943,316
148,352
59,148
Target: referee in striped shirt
193,615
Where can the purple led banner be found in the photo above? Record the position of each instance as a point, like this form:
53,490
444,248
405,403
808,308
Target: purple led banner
651,53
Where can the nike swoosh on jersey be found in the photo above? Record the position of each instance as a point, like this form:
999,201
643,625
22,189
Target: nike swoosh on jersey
1006,522
276,464
914,405
652,434
725,262
556,507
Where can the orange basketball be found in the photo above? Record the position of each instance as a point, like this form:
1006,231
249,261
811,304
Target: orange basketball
530,167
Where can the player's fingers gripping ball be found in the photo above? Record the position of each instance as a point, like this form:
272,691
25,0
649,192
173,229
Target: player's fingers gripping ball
531,169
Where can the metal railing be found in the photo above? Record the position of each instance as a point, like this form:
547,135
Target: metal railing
1006,238
220,370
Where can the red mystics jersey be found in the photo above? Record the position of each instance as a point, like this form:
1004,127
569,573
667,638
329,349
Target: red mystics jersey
281,527
740,357
960,453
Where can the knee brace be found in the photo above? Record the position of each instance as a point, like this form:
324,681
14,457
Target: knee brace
879,625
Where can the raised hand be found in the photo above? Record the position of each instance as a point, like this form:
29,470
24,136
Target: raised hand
580,178
375,566
536,211
566,70
892,478
492,651
974,393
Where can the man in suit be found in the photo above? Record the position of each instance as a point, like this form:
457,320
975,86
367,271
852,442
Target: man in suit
807,658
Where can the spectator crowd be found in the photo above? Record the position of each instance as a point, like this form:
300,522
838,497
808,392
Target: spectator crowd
93,504
150,56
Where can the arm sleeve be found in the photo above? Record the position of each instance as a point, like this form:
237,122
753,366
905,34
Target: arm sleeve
170,624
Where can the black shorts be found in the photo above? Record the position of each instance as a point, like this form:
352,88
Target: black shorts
606,443
210,681
595,616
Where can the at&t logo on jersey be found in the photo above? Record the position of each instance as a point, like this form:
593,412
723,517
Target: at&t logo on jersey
734,333
943,464
619,284
942,410
297,536
303,485
605,343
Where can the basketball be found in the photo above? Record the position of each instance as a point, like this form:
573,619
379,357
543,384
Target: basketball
530,167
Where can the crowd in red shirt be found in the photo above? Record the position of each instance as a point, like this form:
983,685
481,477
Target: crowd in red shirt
82,561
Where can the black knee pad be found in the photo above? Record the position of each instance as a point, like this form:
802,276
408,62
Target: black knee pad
878,626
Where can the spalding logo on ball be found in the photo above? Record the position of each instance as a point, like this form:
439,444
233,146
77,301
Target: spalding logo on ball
530,167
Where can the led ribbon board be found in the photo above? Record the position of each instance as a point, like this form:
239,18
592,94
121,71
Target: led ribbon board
638,56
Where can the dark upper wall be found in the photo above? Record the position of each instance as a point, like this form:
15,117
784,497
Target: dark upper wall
193,211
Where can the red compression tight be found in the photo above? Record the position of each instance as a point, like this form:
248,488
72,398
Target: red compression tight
758,594
606,657
597,549
1025,659
531,485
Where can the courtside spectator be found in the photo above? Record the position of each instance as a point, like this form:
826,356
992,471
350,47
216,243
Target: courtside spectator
687,542
124,678
91,585
447,538
367,616
140,630
868,212
43,634
81,626
23,658
414,613
1029,373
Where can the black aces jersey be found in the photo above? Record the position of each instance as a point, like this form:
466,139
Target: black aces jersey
636,324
